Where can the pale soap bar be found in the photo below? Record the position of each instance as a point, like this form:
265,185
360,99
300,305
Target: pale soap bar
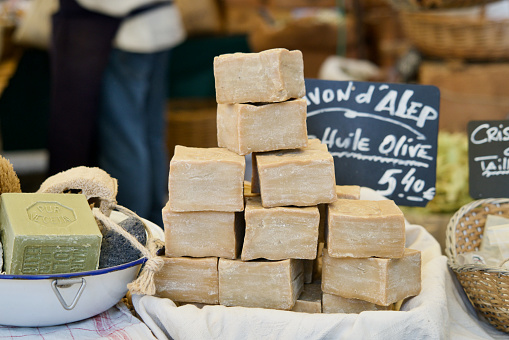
351,192
186,279
248,191
376,280
337,304
203,233
343,192
48,234
247,128
310,300
263,284
206,179
362,228
300,177
279,233
274,75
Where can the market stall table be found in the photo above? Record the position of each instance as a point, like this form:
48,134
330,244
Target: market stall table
440,311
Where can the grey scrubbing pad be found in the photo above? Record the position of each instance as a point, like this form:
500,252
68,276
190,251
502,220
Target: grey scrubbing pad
116,249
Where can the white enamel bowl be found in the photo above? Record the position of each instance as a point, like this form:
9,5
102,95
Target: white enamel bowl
49,300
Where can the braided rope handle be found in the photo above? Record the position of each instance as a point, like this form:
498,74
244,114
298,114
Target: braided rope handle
144,284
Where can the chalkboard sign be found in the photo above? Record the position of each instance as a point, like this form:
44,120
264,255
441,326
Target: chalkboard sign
488,158
382,136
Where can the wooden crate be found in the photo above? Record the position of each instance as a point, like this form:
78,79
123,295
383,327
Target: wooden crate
468,91
191,122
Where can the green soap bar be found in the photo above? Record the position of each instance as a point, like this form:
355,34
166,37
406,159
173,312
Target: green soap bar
48,234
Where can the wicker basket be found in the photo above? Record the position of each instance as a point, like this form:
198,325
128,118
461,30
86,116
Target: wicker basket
430,4
457,35
487,287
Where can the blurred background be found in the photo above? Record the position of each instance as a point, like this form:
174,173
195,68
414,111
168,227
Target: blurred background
460,46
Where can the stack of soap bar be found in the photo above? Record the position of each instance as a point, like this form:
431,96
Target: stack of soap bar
246,128
376,280
337,304
48,234
202,233
310,300
361,228
270,76
279,233
188,279
300,177
263,284
206,179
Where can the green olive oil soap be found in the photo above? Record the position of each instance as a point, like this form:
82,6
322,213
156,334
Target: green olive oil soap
48,234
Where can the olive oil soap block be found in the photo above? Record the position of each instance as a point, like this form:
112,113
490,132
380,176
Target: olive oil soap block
48,234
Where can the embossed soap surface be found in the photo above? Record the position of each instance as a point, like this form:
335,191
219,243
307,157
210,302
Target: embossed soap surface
48,234
269,76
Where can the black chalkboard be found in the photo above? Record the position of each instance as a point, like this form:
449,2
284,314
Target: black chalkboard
488,158
382,136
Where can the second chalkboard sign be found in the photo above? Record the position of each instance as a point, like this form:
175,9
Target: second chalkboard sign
488,154
382,136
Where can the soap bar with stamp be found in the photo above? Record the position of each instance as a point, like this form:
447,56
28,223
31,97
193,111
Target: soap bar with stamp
187,279
376,280
203,233
206,179
310,300
300,177
263,284
246,128
274,75
337,304
361,228
48,234
279,233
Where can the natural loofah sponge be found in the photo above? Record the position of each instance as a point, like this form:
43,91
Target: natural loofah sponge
9,181
94,183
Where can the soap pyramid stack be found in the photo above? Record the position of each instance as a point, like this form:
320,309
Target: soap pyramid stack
255,247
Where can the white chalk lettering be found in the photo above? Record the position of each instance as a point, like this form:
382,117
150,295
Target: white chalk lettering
485,133
415,111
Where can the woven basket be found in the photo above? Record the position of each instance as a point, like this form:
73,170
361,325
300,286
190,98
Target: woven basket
455,35
437,4
487,287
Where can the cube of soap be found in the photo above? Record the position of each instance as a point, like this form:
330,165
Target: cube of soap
300,177
206,179
202,233
246,128
337,304
351,192
263,284
48,234
310,300
269,76
361,228
376,280
279,233
187,279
